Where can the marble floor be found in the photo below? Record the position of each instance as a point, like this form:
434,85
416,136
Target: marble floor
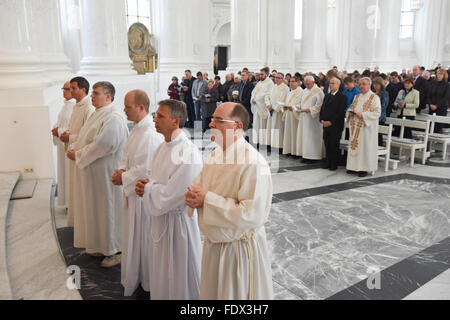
328,232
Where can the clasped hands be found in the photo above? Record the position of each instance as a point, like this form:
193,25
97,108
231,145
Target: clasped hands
195,197
64,137
326,124
116,178
71,154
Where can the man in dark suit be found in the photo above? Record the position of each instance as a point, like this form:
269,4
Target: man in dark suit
332,118
332,74
421,85
187,88
245,93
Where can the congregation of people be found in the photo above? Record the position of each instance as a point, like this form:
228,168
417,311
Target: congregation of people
143,198
303,115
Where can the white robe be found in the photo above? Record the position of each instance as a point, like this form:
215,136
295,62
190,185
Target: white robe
174,249
97,202
81,112
310,131
236,206
63,179
261,95
363,148
138,155
291,121
275,126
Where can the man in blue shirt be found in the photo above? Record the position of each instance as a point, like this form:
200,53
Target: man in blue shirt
350,90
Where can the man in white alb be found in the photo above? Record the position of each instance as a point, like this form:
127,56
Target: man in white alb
363,117
310,131
79,88
260,101
138,155
291,117
233,196
59,128
174,249
275,126
97,202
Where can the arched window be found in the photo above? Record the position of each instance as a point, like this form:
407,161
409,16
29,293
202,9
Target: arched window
138,11
407,19
298,19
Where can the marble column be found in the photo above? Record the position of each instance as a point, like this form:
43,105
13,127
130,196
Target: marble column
183,32
430,32
19,66
364,17
280,43
46,41
247,29
387,36
313,45
104,39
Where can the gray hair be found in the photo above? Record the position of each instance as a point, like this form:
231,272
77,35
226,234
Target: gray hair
310,78
366,79
177,108
108,88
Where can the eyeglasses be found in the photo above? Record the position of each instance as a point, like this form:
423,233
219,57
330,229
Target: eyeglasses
218,120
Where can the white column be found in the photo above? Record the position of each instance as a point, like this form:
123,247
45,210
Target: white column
280,43
183,32
19,67
247,43
104,39
45,28
364,22
314,38
430,29
387,37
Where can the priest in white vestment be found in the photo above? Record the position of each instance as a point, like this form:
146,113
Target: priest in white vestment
233,196
260,103
275,125
174,248
60,127
79,88
291,117
363,117
310,144
97,202
138,155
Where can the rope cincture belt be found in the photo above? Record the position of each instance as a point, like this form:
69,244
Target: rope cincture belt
247,239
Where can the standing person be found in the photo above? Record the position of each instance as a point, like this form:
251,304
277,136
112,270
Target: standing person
79,88
187,88
310,131
209,103
174,248
245,93
198,89
393,88
439,97
138,154
234,87
218,85
226,86
350,90
275,125
408,101
97,203
332,116
260,103
174,89
378,85
421,85
233,199
60,127
291,116
363,118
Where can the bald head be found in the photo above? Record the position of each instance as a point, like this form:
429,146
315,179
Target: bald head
66,91
137,105
140,97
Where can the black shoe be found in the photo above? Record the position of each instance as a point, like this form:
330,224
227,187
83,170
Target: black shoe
333,169
350,172
325,166
362,174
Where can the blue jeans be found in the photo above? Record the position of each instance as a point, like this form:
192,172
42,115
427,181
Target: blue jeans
198,115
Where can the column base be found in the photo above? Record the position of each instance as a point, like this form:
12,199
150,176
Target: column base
106,66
